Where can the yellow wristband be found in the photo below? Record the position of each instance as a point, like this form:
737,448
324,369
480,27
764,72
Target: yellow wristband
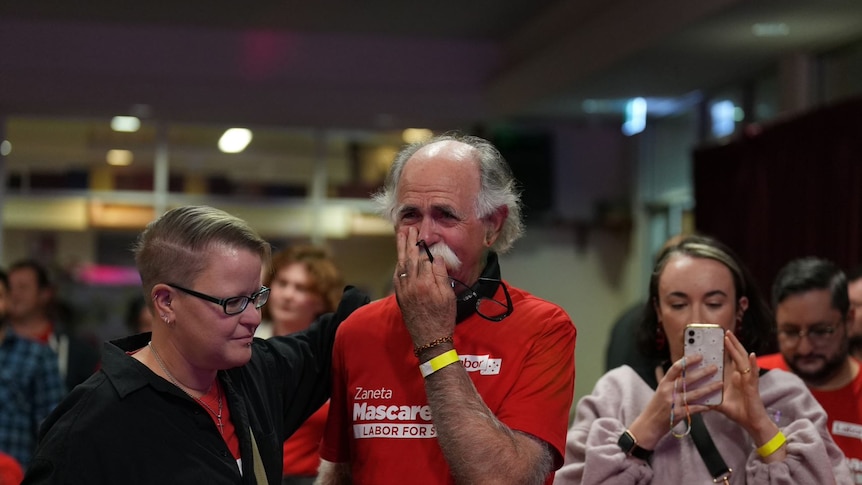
438,363
772,445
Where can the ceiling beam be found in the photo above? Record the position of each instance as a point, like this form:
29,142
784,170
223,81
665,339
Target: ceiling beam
590,37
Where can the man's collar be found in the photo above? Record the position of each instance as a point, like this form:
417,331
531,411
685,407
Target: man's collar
492,266
7,334
486,286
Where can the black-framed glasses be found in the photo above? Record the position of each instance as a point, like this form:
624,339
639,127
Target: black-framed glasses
817,334
233,305
487,308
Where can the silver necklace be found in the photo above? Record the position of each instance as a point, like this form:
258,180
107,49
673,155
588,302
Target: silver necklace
198,400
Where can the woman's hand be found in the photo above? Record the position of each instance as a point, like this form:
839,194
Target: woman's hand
655,420
742,402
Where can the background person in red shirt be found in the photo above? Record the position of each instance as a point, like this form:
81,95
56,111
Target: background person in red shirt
304,283
11,472
813,317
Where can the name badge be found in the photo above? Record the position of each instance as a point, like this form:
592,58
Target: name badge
850,430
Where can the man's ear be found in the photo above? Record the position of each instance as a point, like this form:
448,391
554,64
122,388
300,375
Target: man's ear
494,224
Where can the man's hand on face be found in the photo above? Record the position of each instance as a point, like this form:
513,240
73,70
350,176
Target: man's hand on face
423,291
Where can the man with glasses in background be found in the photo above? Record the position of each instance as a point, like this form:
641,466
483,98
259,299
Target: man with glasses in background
813,318
854,288
459,375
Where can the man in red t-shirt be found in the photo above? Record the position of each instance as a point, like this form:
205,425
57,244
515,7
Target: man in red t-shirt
813,315
458,375
854,288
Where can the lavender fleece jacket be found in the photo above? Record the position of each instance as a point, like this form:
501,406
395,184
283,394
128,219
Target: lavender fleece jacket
593,457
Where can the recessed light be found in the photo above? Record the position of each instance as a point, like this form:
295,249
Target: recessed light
416,135
126,124
770,29
234,140
120,158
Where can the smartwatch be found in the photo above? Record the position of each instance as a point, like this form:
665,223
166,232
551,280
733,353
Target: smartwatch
629,444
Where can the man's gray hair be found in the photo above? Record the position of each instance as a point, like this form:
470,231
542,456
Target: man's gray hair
498,186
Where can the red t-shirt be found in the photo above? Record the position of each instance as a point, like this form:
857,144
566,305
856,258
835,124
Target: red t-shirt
379,419
11,472
211,407
843,412
302,449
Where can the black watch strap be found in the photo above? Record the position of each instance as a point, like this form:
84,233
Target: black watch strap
629,444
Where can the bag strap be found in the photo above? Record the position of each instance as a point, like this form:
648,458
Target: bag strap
259,471
706,447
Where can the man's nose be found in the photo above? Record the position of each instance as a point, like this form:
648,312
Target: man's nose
804,345
428,231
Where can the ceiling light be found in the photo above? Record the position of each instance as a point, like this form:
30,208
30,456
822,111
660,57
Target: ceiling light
120,158
635,116
126,124
416,135
770,29
722,115
5,147
234,140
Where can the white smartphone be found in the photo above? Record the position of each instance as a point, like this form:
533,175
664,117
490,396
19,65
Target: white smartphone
707,339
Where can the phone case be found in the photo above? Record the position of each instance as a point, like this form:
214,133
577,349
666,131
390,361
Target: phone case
707,340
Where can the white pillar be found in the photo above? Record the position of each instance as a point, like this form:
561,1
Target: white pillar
317,189
161,170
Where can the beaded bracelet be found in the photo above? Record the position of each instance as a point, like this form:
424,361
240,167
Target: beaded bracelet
438,363
430,345
772,445
685,406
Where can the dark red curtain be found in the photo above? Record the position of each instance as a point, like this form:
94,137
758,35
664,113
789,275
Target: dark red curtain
794,189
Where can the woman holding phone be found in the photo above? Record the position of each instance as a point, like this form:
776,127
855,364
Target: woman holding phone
637,429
